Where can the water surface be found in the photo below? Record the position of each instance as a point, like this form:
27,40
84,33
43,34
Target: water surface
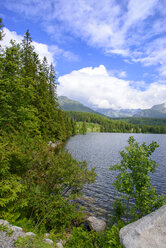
101,150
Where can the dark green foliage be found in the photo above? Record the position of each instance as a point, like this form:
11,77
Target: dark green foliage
115,125
154,125
84,129
37,183
1,26
107,239
134,182
143,121
28,93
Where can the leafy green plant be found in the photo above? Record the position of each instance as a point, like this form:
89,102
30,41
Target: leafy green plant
81,238
9,232
3,228
32,242
134,182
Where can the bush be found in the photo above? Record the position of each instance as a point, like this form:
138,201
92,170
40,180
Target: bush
39,182
81,238
134,182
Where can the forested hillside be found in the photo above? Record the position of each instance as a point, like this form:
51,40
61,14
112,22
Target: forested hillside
143,121
37,181
109,125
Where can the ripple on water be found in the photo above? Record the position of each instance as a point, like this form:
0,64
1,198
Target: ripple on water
101,150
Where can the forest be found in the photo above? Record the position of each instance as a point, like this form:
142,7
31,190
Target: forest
37,182
111,125
143,121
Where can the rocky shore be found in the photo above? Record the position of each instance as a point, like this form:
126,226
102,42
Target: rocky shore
9,234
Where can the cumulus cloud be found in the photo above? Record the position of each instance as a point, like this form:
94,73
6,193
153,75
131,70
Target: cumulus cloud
96,87
42,49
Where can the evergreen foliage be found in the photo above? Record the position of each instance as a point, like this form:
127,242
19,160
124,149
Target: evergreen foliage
1,26
143,121
28,93
37,182
84,129
112,125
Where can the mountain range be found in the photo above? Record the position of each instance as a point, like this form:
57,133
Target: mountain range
157,111
72,105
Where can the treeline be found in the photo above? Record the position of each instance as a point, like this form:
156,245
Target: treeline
143,121
38,182
109,125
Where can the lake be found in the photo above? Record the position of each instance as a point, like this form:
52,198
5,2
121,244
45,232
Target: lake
101,150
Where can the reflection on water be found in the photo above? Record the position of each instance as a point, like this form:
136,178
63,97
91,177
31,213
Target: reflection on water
102,150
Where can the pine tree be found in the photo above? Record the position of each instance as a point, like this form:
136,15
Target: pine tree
1,26
84,129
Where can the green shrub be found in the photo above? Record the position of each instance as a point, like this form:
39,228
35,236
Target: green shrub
134,182
40,183
32,242
81,238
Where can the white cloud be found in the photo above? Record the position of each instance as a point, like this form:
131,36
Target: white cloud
50,52
106,23
154,54
61,52
122,74
95,87
40,48
118,27
10,35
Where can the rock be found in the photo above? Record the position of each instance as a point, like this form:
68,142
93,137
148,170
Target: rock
46,235
59,245
48,241
96,224
55,144
16,229
4,223
147,232
31,234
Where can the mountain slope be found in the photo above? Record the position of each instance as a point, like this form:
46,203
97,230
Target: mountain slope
157,111
118,113
71,105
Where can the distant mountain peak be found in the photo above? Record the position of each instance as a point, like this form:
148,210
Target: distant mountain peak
159,107
72,105
156,111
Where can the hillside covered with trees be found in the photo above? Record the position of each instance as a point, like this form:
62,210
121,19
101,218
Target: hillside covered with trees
37,181
111,125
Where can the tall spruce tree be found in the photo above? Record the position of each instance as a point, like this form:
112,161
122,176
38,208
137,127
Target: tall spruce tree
1,26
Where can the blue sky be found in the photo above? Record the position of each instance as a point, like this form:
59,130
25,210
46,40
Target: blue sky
107,54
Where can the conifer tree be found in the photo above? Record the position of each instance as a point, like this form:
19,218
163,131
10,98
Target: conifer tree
1,26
